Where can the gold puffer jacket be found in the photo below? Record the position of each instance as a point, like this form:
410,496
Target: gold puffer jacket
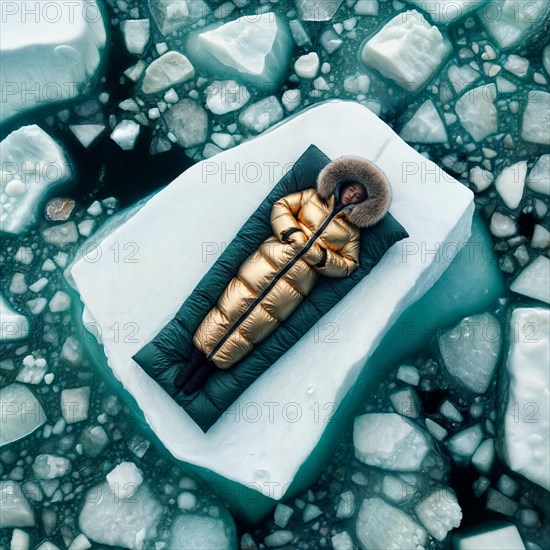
313,234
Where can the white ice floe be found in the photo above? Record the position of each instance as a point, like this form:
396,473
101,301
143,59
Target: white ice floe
136,34
48,466
388,441
511,182
408,50
202,532
471,349
484,456
253,48
31,164
526,440
380,525
21,413
75,403
535,126
124,480
87,133
317,10
439,512
504,538
447,11
477,112
513,23
188,121
425,126
15,510
172,15
48,51
534,280
166,71
13,325
114,521
224,96
466,442
538,179
259,116
462,77
268,454
125,134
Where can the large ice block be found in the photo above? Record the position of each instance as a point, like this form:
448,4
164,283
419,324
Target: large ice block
49,49
261,444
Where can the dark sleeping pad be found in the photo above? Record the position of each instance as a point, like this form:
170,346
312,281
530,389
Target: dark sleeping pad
173,343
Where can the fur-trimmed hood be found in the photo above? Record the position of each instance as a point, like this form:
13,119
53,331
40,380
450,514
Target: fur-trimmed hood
361,170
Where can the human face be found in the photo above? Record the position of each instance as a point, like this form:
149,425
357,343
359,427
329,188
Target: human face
353,193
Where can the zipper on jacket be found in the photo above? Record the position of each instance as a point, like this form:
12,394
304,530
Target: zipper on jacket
273,282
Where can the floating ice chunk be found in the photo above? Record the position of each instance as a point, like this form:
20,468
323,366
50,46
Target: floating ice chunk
21,412
471,349
408,374
15,510
32,163
20,540
502,226
188,121
342,540
397,489
261,115
13,325
380,525
503,538
307,66
61,235
535,126
466,442
60,301
171,15
448,410
48,466
408,50
87,133
513,23
311,511
330,41
47,54
405,402
33,371
511,182
120,522
239,452
526,426
517,65
546,58
225,96
541,237
255,49
481,178
75,404
136,34
278,538
534,280
124,480
282,515
317,10
346,505
484,456
166,71
538,179
447,11
477,112
425,126
125,134
388,441
439,432
202,532
462,77
439,513
366,7
299,33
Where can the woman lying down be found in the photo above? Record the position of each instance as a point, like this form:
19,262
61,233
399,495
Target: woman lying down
315,232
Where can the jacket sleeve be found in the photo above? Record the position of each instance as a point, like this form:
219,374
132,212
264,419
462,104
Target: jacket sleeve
283,215
335,264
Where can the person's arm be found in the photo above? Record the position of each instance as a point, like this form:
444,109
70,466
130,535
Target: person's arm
335,264
284,214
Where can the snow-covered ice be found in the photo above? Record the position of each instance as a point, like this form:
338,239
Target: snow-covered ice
317,10
48,52
526,440
21,413
477,112
15,510
439,512
172,15
124,480
535,126
202,532
224,96
408,50
538,179
31,164
167,70
268,454
511,183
